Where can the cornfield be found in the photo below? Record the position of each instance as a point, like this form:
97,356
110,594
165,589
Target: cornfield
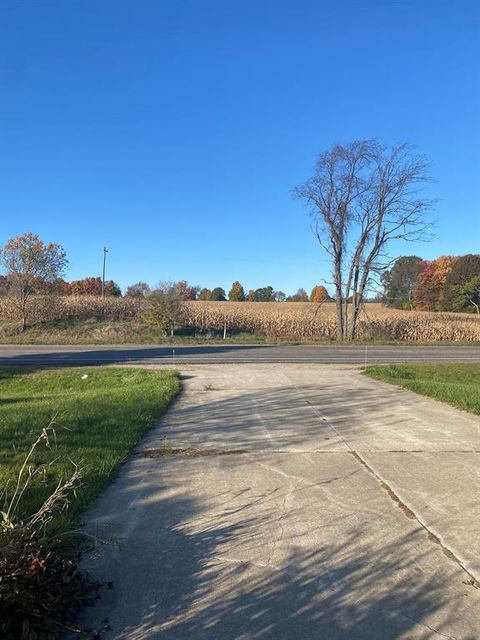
309,320
47,308
275,320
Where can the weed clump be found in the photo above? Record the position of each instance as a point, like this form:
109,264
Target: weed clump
41,587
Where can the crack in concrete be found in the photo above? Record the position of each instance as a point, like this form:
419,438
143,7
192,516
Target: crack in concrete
421,450
409,513
263,426
321,584
186,452
192,452
267,565
427,626
301,479
285,506
323,418
282,473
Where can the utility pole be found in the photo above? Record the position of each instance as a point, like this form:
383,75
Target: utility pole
105,251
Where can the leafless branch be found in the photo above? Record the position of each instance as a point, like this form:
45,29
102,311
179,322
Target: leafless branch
361,197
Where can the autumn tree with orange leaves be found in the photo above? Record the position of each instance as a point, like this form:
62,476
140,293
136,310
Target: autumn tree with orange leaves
186,291
319,294
30,266
429,292
93,287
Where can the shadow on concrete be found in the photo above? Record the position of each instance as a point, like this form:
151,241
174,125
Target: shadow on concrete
194,587
190,568
282,417
310,417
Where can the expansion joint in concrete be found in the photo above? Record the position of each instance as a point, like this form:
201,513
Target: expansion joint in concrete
473,580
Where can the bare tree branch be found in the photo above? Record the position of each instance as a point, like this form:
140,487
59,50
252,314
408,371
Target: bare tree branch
362,196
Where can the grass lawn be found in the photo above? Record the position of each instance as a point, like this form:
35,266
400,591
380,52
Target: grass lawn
457,384
98,419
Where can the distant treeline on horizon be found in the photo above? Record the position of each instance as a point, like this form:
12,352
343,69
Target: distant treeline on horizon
448,283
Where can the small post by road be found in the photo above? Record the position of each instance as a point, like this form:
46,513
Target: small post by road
105,251
366,355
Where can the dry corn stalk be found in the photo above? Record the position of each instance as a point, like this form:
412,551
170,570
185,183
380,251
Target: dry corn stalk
296,320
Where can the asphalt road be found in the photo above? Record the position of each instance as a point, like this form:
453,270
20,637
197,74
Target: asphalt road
64,355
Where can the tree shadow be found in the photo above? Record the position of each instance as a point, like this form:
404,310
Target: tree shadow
84,356
312,417
197,564
212,550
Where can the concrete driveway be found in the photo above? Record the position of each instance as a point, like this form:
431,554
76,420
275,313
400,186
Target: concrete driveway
331,507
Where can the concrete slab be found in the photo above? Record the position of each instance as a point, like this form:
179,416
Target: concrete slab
444,490
271,546
299,536
375,416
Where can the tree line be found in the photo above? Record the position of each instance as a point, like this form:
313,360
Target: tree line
448,283
34,267
236,293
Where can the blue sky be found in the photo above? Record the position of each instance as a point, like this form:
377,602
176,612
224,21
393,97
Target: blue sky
173,131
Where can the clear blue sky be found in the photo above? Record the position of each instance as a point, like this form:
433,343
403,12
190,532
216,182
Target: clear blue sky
173,131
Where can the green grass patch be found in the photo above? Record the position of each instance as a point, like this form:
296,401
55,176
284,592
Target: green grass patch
457,384
99,415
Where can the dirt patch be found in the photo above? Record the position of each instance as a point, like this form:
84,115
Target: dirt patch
186,452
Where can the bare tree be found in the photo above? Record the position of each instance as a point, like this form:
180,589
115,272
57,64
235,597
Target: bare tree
31,265
362,196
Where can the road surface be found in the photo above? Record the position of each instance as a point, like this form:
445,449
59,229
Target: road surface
330,506
46,355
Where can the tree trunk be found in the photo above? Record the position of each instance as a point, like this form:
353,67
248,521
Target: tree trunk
345,317
356,302
356,312
23,309
339,307
339,297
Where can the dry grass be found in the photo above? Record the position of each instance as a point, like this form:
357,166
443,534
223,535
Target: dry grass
45,308
120,320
